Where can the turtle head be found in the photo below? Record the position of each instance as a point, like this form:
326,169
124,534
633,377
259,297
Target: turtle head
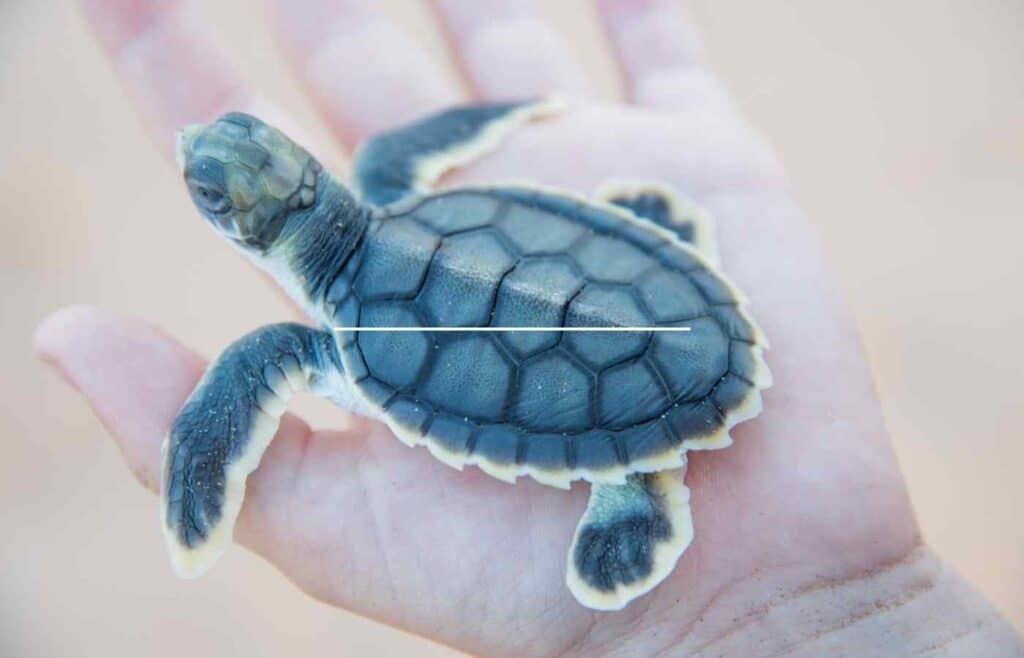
246,177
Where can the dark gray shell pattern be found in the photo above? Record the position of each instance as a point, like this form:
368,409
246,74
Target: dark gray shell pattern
556,406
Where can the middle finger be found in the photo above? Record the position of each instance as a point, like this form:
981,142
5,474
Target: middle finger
366,72
508,51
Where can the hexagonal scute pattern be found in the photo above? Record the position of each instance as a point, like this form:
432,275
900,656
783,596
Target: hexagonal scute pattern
606,306
534,295
462,211
554,395
671,296
692,362
603,258
630,393
462,280
528,258
396,259
468,376
393,357
537,232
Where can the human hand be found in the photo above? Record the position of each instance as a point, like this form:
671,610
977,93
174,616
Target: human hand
805,513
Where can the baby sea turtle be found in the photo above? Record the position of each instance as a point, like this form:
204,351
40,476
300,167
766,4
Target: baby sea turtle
616,408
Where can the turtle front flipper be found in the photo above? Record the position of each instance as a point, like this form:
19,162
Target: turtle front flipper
668,209
629,539
411,159
222,431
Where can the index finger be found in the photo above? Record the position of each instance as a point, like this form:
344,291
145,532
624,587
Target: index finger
661,56
171,63
365,71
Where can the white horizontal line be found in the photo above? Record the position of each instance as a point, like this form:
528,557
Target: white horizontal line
505,330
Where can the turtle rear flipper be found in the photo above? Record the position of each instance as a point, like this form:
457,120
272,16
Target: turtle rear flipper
661,204
629,539
402,162
223,430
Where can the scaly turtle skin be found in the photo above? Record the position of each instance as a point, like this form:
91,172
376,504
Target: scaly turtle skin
619,408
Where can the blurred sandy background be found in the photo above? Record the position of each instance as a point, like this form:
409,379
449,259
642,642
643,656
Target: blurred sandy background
903,131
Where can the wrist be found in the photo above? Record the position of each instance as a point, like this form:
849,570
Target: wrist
915,606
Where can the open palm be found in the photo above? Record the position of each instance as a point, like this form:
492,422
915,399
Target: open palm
809,491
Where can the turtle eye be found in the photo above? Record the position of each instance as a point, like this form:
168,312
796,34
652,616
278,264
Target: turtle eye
210,198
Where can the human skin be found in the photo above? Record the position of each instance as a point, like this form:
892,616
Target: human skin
805,540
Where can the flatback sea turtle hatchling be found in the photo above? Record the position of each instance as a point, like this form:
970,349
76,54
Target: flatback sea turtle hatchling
619,409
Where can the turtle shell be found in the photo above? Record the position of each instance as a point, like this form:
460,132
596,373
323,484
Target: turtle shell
555,405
